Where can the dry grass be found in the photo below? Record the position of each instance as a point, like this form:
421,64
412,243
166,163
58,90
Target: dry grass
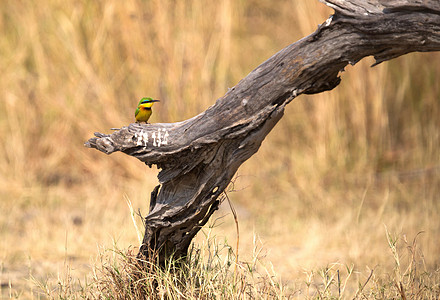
210,271
336,169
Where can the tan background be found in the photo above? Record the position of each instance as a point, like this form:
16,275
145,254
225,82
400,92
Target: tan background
338,169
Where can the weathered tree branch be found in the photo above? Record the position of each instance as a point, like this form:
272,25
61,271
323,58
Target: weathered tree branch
199,156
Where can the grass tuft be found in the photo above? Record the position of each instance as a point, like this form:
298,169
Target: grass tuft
206,273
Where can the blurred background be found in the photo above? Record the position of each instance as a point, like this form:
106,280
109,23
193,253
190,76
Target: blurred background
339,169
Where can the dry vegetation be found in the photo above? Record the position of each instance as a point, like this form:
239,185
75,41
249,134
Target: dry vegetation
342,186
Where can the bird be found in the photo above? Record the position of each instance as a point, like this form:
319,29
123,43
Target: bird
143,111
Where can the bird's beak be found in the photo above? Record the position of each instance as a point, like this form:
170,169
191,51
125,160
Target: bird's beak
155,100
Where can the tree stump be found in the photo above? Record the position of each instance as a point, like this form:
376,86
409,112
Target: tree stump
199,156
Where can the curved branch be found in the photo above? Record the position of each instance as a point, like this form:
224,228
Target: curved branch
199,156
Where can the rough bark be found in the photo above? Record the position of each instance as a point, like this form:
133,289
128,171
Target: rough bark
199,156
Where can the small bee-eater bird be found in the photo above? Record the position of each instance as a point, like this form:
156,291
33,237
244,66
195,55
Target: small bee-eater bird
143,111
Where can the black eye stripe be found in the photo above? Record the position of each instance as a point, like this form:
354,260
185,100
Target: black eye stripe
148,101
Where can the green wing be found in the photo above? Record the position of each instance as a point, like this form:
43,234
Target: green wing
136,112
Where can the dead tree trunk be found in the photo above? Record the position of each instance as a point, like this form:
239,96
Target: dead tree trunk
199,156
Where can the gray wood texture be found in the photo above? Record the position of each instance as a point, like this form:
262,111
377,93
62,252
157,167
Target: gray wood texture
198,157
